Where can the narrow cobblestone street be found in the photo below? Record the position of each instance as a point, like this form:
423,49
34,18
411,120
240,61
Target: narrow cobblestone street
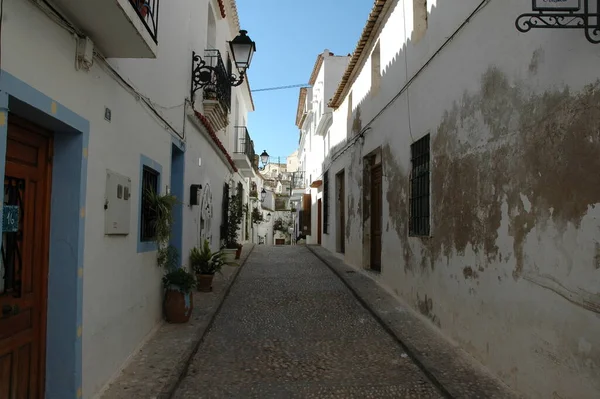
289,329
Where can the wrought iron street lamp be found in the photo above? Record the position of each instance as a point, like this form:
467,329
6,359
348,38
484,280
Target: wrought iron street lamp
212,72
263,195
264,159
242,48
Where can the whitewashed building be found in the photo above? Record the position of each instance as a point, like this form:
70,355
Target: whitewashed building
461,173
95,103
314,118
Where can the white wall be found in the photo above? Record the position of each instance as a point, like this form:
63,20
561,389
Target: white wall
122,288
514,232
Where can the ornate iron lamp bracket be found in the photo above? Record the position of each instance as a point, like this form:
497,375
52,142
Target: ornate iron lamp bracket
203,75
566,14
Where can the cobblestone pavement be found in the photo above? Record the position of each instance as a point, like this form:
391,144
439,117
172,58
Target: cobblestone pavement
291,329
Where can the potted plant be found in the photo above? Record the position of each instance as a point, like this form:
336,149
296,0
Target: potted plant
179,301
232,227
177,282
205,264
238,251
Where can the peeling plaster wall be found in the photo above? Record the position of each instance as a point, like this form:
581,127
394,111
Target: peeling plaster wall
512,269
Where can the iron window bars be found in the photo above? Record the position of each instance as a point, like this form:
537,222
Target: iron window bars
12,260
419,224
566,14
148,213
147,11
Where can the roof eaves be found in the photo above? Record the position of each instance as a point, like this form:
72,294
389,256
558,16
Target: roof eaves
366,39
301,103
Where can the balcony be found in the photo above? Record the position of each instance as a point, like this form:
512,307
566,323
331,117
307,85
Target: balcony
243,153
118,28
216,97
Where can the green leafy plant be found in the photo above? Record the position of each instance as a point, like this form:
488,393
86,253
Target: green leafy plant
162,207
204,261
233,222
167,256
181,279
278,225
257,216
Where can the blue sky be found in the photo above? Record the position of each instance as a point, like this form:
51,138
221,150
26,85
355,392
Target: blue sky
289,34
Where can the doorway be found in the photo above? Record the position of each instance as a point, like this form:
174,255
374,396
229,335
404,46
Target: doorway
341,211
177,170
376,216
319,221
24,263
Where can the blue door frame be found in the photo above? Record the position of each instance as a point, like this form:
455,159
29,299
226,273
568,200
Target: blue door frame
177,189
67,226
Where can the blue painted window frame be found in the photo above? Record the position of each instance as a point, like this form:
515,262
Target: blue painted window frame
146,246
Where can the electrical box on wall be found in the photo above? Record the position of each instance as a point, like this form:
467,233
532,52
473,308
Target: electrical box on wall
117,204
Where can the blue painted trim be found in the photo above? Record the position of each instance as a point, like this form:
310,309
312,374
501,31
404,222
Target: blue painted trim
3,135
146,246
178,143
67,228
178,190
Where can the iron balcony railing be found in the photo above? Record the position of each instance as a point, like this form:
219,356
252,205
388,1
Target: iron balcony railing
298,180
219,86
147,10
244,144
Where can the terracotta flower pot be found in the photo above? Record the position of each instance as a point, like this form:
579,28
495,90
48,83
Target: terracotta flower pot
178,306
204,282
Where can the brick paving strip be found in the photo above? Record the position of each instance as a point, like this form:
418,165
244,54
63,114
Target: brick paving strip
155,371
447,366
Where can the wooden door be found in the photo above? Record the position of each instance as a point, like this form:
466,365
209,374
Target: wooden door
376,216
24,262
319,221
307,217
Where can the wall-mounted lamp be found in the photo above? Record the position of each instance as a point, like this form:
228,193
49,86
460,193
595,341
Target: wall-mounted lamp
214,73
263,195
194,188
264,159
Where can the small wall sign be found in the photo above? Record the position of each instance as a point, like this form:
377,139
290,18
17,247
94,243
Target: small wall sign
556,5
10,218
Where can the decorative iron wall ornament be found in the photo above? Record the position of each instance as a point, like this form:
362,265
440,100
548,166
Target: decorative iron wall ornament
563,14
209,73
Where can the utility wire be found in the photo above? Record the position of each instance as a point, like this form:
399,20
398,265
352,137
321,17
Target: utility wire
60,20
282,87
407,85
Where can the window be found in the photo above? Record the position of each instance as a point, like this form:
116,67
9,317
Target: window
211,31
419,224
326,202
375,69
148,214
419,19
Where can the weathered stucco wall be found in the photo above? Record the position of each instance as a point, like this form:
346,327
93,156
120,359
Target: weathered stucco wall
512,268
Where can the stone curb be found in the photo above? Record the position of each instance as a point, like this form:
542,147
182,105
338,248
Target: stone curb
156,369
448,367
178,375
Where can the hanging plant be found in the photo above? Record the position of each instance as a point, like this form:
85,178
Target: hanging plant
257,216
